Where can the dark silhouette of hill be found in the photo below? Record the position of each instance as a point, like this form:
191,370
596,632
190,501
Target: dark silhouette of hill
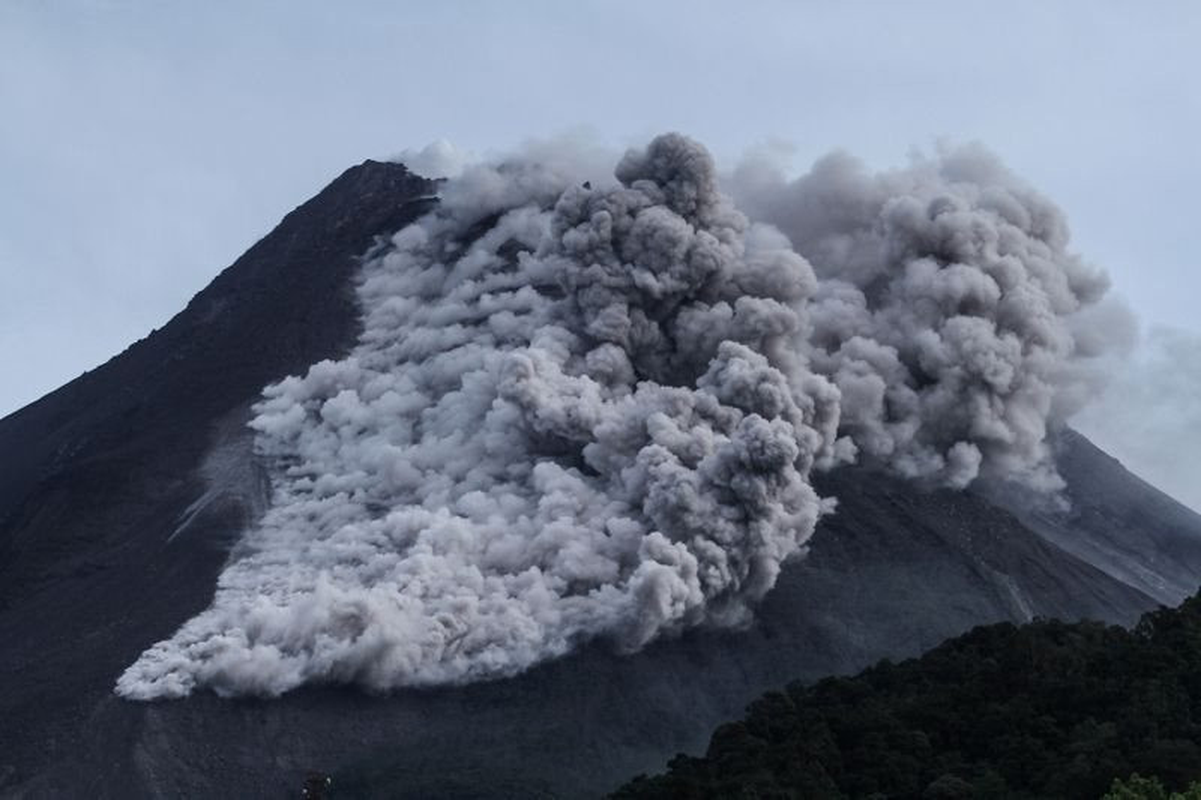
122,492
1044,710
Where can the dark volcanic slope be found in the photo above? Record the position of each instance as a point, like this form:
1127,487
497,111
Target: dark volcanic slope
120,493
95,476
1135,532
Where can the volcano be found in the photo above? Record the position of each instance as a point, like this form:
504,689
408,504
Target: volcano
124,493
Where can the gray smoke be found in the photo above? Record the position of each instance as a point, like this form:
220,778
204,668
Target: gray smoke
573,413
949,312
580,413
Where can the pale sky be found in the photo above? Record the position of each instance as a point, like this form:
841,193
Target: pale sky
145,145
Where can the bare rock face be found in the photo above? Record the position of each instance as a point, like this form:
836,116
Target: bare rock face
122,493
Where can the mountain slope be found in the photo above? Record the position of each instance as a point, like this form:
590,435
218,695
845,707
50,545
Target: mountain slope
121,493
1161,558
96,475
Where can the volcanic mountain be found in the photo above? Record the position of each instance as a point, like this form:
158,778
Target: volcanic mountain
123,493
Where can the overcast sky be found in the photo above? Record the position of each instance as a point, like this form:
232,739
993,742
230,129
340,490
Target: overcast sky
145,145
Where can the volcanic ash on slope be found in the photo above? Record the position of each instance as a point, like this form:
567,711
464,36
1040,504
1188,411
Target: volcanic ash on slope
579,413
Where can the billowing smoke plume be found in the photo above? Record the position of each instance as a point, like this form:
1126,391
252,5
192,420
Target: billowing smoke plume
947,313
580,413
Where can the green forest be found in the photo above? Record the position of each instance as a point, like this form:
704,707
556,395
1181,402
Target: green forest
1043,710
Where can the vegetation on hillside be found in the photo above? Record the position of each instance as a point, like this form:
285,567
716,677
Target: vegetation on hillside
1140,788
1044,710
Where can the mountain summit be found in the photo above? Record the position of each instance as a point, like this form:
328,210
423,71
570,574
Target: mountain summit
123,494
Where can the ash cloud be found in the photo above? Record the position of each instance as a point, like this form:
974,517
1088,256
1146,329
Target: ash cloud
588,409
438,159
951,314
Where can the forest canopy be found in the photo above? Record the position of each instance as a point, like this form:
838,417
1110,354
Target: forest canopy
1044,710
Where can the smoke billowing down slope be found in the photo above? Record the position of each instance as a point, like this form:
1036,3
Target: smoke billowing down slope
588,409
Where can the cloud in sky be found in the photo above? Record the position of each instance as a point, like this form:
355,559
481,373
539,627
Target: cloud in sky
1149,417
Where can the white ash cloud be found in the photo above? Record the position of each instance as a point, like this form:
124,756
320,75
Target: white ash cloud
588,409
438,159
949,312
